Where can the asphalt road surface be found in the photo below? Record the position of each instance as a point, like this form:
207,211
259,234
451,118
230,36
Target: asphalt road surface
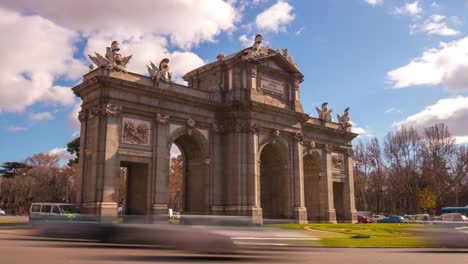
18,246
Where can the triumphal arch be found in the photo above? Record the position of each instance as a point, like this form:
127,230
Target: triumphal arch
248,147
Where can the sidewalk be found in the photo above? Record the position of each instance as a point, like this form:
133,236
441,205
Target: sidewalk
13,219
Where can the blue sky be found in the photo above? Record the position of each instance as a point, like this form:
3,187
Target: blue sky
392,62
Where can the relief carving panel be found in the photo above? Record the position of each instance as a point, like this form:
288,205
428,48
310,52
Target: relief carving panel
136,132
338,162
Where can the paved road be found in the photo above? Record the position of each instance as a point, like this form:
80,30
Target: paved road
17,246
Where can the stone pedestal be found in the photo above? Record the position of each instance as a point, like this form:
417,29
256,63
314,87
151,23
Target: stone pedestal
300,215
257,216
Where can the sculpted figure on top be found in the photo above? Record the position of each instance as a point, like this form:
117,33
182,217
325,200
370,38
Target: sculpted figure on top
344,119
162,73
113,59
324,113
288,58
257,49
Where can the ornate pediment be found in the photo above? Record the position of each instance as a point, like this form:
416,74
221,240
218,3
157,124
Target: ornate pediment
276,61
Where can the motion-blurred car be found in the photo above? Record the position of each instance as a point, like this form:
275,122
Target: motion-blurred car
2,212
377,218
454,217
364,220
177,237
53,211
393,219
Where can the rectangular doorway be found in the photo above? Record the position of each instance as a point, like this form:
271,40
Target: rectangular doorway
133,193
338,200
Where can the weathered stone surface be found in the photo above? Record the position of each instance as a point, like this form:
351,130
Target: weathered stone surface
248,147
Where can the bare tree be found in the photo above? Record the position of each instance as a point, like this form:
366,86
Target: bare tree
458,171
437,148
361,172
402,152
377,176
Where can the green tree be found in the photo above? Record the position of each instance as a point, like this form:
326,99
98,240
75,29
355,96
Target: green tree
9,169
73,147
427,199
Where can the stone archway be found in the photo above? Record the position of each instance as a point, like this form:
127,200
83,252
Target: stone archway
274,182
233,112
312,172
195,186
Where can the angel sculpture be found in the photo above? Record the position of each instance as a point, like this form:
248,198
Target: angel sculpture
113,59
344,119
324,113
162,73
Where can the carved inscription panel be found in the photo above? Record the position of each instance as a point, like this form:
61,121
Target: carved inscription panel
272,85
136,132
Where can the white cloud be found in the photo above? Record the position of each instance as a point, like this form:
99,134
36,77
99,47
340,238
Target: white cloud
363,132
392,110
461,140
299,31
16,128
435,25
73,121
451,111
146,29
246,41
374,2
446,65
62,154
175,151
185,22
41,116
455,20
409,9
435,5
275,18
32,62
75,135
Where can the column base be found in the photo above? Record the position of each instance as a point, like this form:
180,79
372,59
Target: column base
300,215
160,212
257,215
217,210
101,209
351,216
329,217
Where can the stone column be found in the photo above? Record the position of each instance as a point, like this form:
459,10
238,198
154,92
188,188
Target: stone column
90,164
110,187
300,212
327,209
83,117
253,176
161,156
349,203
216,171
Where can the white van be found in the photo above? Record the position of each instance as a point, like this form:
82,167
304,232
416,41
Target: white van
454,217
52,211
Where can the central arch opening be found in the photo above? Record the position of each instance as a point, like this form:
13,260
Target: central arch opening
273,182
188,170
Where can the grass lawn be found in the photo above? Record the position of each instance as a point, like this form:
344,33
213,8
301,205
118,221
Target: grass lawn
380,235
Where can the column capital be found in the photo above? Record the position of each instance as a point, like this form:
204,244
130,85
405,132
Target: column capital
162,118
327,148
